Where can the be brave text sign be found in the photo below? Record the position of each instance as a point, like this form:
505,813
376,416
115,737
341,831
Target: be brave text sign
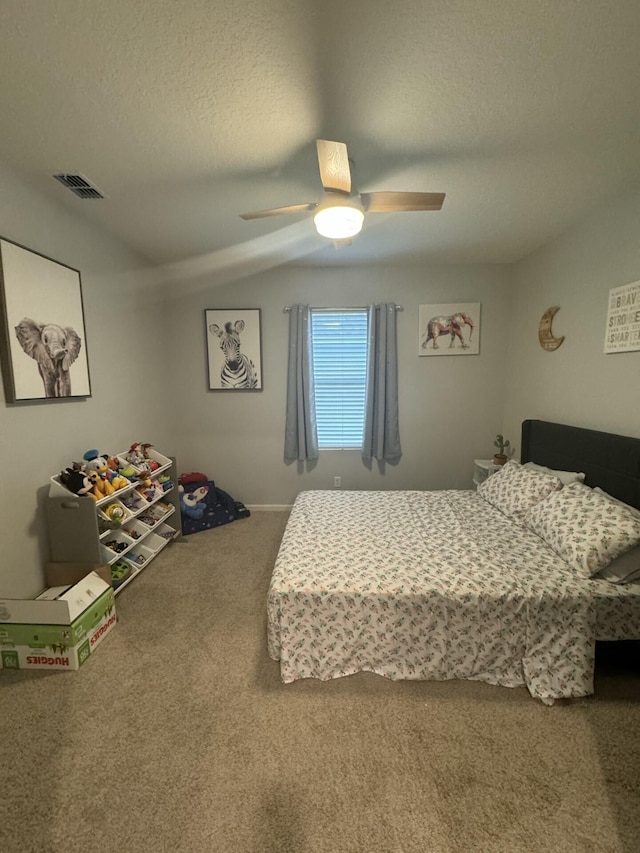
623,319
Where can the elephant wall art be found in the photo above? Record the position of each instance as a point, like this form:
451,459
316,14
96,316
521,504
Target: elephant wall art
54,349
43,340
449,329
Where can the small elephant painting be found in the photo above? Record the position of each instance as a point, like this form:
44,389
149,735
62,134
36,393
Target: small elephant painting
449,329
44,354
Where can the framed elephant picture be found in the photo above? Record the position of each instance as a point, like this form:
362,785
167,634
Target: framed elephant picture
451,328
43,343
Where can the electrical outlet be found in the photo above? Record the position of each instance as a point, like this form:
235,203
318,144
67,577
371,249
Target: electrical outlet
337,482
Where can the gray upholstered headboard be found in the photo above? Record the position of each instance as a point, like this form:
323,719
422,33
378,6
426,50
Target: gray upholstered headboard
608,460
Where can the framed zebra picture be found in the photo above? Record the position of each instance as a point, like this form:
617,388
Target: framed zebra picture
234,349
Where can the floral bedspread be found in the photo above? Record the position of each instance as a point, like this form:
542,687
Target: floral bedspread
435,585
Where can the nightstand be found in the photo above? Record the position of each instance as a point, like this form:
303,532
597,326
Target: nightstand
483,468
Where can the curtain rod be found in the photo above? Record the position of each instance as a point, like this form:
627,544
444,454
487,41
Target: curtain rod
350,308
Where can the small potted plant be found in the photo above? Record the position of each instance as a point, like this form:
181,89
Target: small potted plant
501,443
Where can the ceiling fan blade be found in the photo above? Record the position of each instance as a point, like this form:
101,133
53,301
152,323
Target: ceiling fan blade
275,211
390,202
333,161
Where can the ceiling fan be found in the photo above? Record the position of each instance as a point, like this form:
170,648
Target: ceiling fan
339,214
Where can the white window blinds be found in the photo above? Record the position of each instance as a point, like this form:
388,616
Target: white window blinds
339,340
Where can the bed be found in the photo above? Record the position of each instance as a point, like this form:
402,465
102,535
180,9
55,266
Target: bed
442,585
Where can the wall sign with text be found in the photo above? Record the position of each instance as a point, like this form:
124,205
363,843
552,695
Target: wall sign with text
623,319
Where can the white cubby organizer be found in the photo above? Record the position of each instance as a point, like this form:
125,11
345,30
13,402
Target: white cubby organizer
80,530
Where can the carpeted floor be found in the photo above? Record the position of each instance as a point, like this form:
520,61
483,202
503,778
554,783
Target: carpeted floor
177,735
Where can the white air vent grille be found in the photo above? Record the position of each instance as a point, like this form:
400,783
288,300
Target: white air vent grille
79,185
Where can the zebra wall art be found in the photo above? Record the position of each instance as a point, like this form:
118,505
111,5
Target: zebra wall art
238,372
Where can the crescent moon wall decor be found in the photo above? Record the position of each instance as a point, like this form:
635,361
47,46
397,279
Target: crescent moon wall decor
545,334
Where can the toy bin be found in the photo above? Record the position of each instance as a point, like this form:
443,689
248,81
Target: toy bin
114,511
163,461
154,542
165,531
160,510
139,556
134,502
147,519
135,529
115,546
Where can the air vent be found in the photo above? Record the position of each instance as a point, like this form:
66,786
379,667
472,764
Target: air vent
79,185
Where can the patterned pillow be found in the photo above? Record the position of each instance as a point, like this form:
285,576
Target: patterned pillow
565,477
616,501
515,489
624,569
584,527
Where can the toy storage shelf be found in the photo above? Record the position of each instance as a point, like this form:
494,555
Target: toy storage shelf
80,530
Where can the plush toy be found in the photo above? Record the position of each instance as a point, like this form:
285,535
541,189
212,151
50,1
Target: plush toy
94,460
192,477
192,503
146,487
77,482
128,471
135,456
101,488
165,482
114,475
151,464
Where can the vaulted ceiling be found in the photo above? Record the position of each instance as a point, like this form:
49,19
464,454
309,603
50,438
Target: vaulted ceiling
187,114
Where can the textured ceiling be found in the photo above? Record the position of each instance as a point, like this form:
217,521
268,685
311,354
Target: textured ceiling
186,114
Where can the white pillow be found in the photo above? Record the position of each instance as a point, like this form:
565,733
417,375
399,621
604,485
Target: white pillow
584,527
515,489
624,569
565,477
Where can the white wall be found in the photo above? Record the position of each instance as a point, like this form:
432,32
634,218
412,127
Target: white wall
147,359
451,407
576,384
126,346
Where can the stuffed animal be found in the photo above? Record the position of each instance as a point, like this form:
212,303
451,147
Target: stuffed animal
151,464
101,488
114,475
134,455
192,503
77,482
127,471
94,460
146,487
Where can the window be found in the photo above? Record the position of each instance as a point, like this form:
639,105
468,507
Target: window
339,338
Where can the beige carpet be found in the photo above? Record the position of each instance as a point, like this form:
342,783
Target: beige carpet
177,735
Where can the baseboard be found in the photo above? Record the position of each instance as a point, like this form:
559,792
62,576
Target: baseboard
269,507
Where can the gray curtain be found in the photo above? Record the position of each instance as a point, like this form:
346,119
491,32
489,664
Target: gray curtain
381,438
300,434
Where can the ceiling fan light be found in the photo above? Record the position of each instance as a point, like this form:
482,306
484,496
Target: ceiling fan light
338,222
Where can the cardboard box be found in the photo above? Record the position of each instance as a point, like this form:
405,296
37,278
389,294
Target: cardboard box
58,574
62,645
69,604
